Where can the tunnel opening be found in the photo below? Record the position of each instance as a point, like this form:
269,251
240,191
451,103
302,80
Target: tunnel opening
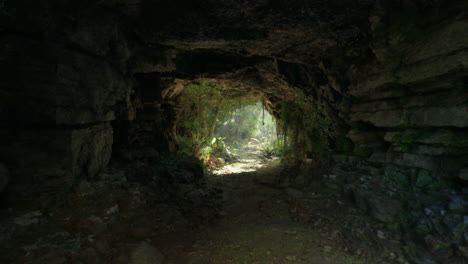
224,126
114,114
245,139
228,130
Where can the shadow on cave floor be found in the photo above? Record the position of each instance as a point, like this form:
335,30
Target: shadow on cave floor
257,226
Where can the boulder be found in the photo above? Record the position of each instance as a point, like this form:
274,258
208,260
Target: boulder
56,158
381,207
91,149
384,208
192,170
365,138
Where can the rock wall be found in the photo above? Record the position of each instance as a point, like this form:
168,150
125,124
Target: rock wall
61,88
408,126
150,133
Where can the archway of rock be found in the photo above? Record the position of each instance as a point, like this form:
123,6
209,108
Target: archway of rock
372,95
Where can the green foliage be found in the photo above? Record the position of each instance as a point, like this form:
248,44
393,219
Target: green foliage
407,138
211,114
198,115
305,132
245,122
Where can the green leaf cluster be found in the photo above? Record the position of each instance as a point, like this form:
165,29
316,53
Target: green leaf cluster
205,107
304,130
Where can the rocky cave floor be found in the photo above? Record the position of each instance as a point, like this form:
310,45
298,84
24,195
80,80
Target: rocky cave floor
234,218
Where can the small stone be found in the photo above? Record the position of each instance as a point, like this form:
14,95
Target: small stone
113,210
463,250
458,204
428,211
381,234
28,219
291,258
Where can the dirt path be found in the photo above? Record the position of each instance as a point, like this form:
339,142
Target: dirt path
256,227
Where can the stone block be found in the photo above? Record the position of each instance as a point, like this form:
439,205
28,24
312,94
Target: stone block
66,87
365,138
91,149
55,158
439,137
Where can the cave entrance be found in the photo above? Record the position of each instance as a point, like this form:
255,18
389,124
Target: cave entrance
230,131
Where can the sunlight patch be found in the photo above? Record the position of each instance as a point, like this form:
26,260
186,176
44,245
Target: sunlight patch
247,165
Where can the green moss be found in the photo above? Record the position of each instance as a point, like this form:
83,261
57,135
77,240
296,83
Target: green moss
306,132
406,139
404,120
423,230
443,245
424,179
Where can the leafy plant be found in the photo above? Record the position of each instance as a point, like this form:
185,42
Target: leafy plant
211,118
305,131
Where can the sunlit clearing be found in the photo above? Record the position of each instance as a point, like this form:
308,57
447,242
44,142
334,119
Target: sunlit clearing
247,165
221,128
248,135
